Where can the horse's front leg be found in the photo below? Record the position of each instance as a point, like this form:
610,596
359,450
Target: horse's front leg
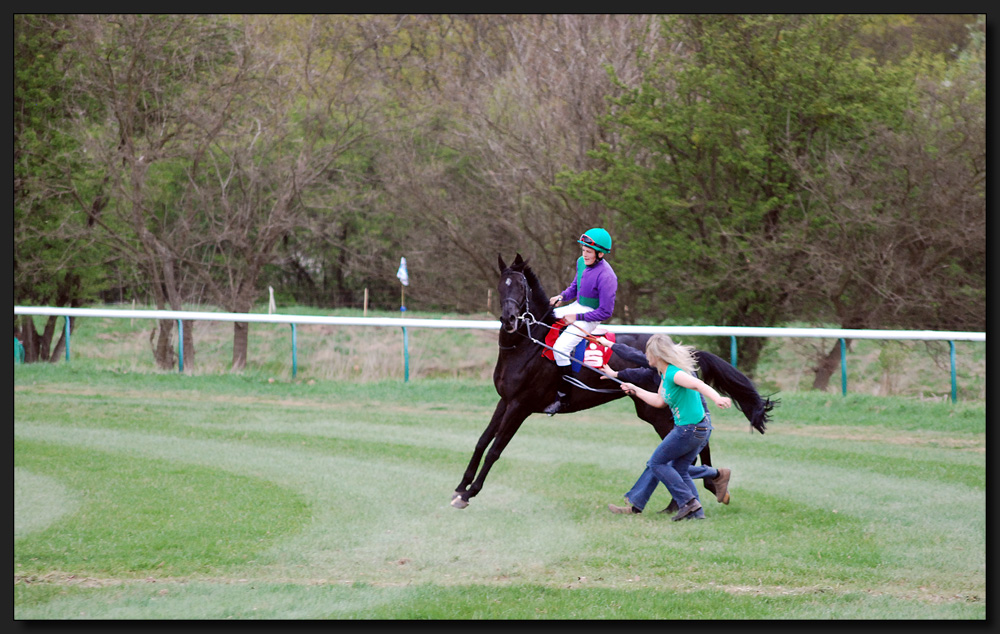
477,454
510,422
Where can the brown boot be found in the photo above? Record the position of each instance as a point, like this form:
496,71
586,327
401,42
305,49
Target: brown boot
629,510
721,483
690,507
671,508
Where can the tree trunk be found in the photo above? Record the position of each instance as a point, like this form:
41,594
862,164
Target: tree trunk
45,342
827,366
59,351
241,330
163,352
243,304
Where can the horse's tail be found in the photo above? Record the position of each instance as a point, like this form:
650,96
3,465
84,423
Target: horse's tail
729,381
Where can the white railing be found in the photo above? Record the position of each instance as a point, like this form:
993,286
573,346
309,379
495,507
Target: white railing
404,322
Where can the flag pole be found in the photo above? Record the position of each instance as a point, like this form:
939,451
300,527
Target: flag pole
404,280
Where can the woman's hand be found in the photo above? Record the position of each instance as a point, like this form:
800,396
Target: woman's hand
608,372
555,299
723,402
629,389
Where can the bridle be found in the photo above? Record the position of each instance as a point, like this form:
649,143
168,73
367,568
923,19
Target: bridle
522,302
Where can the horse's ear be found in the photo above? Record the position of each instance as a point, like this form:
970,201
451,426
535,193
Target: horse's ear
518,262
503,267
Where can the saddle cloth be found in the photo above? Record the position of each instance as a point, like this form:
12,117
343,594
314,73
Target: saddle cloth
593,354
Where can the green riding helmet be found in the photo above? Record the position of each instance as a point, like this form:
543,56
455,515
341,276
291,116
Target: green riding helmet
597,239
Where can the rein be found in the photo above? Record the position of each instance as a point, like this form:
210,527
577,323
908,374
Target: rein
528,319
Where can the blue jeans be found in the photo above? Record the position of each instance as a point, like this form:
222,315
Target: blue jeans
671,465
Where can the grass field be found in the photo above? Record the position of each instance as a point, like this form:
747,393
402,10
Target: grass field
148,495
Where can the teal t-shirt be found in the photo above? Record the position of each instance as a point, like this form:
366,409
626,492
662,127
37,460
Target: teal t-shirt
684,403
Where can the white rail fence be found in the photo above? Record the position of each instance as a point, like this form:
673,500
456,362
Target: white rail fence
404,322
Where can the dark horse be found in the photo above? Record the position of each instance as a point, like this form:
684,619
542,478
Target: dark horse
526,381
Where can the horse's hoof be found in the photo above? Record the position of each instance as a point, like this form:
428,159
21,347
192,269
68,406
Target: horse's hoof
458,502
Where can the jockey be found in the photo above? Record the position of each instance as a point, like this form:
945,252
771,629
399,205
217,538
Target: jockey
592,300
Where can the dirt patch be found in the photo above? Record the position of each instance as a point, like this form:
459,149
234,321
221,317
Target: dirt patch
64,579
926,439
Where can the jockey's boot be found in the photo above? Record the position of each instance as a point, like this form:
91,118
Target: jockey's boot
562,391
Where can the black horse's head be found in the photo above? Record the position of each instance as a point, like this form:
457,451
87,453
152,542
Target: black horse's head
514,291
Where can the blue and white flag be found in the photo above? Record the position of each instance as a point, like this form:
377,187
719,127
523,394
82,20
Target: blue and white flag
401,273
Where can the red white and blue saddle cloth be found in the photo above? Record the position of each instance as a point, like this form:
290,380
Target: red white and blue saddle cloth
593,354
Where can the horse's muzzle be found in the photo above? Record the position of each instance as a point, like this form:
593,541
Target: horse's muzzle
509,323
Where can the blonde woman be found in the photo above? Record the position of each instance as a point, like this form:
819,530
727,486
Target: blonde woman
647,377
679,390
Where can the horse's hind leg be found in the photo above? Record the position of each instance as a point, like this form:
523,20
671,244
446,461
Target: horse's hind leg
706,460
470,472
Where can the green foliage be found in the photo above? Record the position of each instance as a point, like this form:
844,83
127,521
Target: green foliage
704,174
55,259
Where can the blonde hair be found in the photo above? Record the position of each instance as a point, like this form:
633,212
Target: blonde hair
661,347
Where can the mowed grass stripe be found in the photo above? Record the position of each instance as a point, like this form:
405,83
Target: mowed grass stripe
366,517
40,501
135,515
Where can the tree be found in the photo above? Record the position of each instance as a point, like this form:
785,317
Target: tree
56,260
160,81
220,128
902,240
312,107
511,101
717,219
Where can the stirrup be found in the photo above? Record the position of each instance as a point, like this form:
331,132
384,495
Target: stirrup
555,406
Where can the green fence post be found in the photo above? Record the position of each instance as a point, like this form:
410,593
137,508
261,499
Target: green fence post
67,338
180,345
406,356
294,361
954,385
843,367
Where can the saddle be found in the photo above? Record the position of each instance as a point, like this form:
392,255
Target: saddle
593,354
